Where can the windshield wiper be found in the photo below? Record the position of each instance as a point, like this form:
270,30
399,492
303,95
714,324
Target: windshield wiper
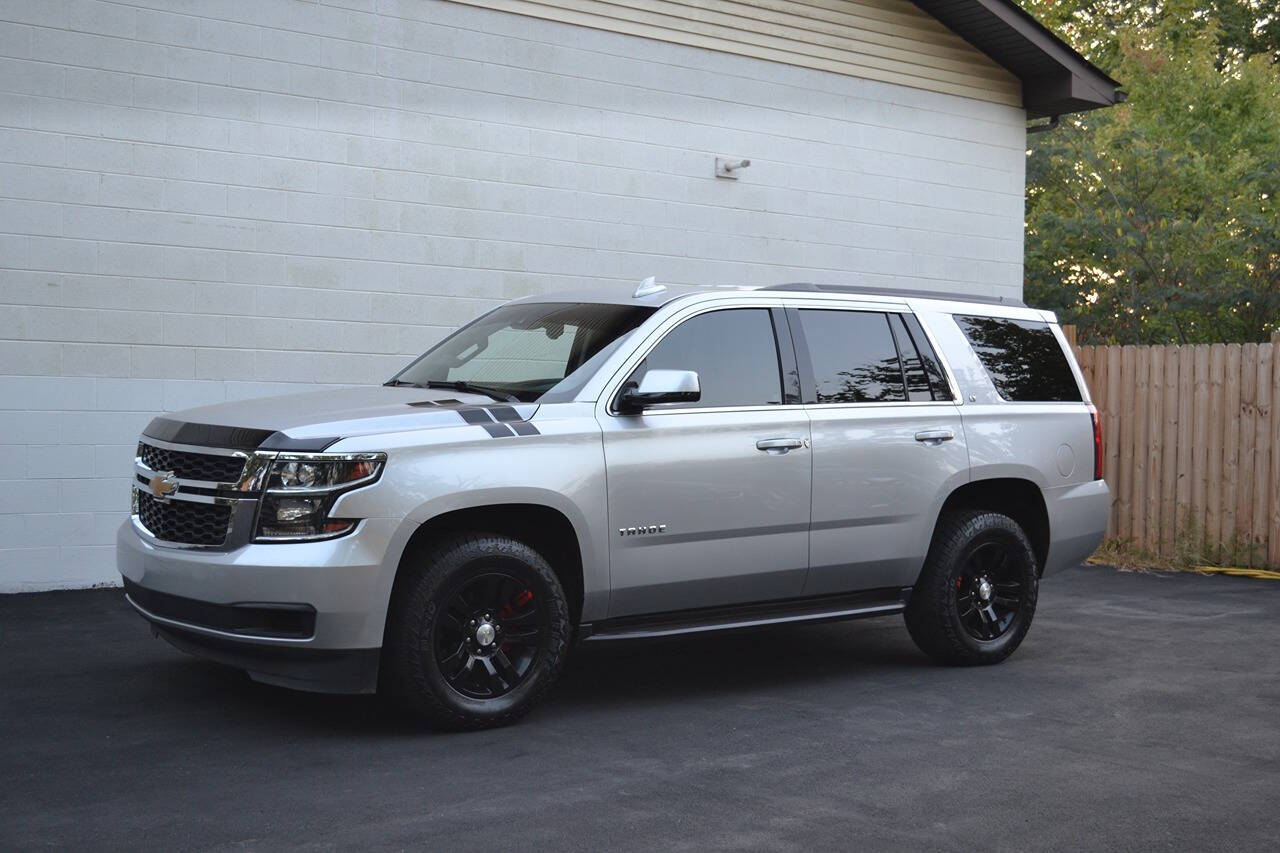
457,385
472,388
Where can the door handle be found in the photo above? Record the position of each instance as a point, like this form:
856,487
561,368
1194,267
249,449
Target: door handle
779,446
935,436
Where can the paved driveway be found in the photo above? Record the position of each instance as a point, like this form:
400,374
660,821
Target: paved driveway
1142,712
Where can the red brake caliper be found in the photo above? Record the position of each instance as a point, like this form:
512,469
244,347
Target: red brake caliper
522,598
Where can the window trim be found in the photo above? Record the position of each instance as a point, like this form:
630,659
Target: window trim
792,382
613,388
936,352
902,361
807,377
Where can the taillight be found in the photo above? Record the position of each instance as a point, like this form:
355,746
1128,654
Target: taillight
1097,441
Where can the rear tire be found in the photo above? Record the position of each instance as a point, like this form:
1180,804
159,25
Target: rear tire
976,595
477,632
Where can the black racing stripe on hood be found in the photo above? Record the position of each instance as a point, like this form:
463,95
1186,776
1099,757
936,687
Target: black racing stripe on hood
498,421
437,404
504,413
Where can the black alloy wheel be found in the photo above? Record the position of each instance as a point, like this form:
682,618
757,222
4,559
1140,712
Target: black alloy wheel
976,595
487,638
989,591
477,632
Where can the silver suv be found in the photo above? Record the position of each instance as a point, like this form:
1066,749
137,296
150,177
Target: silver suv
591,467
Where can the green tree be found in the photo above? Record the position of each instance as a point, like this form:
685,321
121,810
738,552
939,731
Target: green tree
1155,221
1245,28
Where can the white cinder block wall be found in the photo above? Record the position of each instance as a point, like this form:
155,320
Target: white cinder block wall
204,200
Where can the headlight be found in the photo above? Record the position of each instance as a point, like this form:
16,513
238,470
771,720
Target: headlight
302,489
315,472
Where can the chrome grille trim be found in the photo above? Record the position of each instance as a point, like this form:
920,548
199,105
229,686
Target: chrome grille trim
241,496
192,464
252,478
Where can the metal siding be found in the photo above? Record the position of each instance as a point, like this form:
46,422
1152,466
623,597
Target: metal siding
888,40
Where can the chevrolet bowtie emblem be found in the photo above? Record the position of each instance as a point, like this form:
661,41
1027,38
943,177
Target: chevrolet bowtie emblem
163,485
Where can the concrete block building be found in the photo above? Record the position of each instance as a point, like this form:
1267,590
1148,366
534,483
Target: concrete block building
202,200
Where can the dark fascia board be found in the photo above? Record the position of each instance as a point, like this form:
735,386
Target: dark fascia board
1058,80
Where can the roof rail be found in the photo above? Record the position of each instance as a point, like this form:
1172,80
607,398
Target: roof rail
807,287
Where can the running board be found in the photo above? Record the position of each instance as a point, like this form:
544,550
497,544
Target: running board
827,608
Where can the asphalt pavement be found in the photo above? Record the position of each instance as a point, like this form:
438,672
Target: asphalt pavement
1142,712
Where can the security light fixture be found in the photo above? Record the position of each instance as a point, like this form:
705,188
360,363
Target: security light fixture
729,168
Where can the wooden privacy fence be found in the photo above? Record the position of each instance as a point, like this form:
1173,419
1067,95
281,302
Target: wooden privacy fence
1191,439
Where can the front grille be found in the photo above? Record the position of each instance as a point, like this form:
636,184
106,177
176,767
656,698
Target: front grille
184,522
192,466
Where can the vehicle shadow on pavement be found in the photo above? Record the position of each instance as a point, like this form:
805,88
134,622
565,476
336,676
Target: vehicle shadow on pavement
682,669
598,676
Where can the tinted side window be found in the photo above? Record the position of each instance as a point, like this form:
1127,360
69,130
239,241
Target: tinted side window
853,355
1023,358
733,353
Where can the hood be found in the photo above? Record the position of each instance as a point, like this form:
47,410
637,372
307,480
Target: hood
316,419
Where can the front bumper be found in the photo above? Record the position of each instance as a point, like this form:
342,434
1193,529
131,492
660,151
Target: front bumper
284,612
315,670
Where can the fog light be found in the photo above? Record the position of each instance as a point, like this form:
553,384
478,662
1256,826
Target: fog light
299,518
295,510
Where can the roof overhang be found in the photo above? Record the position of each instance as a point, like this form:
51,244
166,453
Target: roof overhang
1055,79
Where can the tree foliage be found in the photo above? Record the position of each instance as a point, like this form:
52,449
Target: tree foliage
1156,221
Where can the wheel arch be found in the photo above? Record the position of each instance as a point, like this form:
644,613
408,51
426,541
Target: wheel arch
1020,499
546,528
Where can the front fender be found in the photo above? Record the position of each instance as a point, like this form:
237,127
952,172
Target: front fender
592,546
561,468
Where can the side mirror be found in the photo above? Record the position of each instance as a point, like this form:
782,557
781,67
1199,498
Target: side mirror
660,386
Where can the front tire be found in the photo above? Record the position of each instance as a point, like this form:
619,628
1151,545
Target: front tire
477,632
976,594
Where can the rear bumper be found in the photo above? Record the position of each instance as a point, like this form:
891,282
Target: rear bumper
1077,522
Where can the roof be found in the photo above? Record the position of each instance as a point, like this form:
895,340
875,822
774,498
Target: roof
623,295
805,287
1055,78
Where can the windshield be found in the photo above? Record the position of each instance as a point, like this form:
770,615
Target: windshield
522,351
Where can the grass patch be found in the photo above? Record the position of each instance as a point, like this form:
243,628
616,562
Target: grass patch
1191,553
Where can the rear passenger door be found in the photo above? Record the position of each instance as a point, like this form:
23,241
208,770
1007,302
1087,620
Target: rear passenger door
888,445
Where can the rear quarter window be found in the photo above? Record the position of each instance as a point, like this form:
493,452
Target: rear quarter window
1023,359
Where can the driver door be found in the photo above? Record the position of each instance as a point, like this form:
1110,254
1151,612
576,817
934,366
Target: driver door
709,501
